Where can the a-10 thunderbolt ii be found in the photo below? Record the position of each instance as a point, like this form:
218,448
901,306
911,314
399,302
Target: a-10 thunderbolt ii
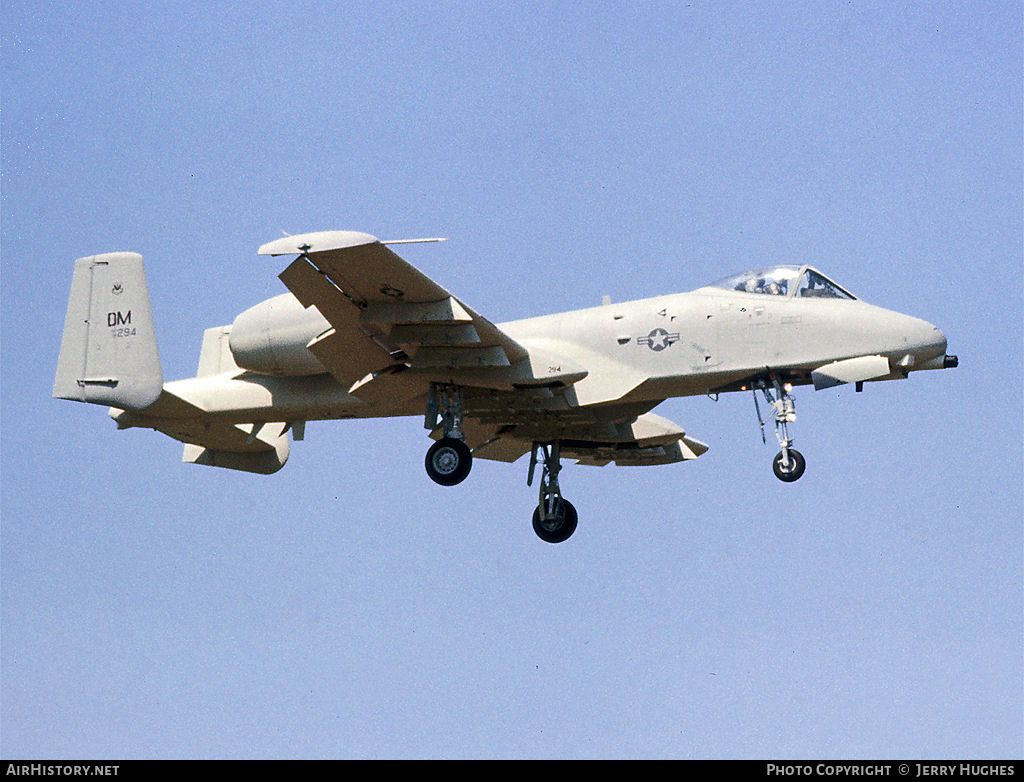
364,334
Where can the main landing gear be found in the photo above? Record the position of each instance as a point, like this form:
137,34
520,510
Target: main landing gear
555,518
449,460
789,463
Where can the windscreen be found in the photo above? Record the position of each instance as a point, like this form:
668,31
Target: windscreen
813,284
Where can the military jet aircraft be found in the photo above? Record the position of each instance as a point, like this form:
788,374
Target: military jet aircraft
364,334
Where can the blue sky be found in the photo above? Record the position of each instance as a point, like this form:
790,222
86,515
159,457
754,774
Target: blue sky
347,606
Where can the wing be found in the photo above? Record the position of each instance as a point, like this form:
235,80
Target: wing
384,313
632,440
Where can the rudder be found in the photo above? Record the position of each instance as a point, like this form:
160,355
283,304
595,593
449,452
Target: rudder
108,353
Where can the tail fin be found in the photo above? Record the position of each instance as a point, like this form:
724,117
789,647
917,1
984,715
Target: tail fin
108,354
215,356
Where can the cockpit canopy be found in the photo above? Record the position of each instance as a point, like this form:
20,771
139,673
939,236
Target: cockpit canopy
800,281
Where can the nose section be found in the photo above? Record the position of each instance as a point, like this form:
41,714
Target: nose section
924,346
925,341
909,343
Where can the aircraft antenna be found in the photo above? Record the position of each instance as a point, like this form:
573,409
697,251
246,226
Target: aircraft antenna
416,241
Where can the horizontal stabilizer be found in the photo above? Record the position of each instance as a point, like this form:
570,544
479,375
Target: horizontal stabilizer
260,448
264,462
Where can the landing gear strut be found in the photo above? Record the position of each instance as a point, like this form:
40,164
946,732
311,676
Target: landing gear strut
789,463
554,519
449,460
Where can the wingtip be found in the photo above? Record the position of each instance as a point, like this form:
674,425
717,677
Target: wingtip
319,241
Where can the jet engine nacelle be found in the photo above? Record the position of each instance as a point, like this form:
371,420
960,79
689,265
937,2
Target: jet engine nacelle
271,338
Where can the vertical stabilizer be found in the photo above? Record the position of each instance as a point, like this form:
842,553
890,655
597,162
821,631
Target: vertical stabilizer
215,357
108,353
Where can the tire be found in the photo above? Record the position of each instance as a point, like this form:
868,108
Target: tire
559,528
796,467
448,461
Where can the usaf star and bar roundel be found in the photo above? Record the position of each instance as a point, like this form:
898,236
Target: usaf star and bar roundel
658,339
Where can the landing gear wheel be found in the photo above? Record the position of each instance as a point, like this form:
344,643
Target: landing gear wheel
559,525
448,461
791,471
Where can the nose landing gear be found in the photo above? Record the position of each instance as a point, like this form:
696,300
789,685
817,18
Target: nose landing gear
790,470
789,463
